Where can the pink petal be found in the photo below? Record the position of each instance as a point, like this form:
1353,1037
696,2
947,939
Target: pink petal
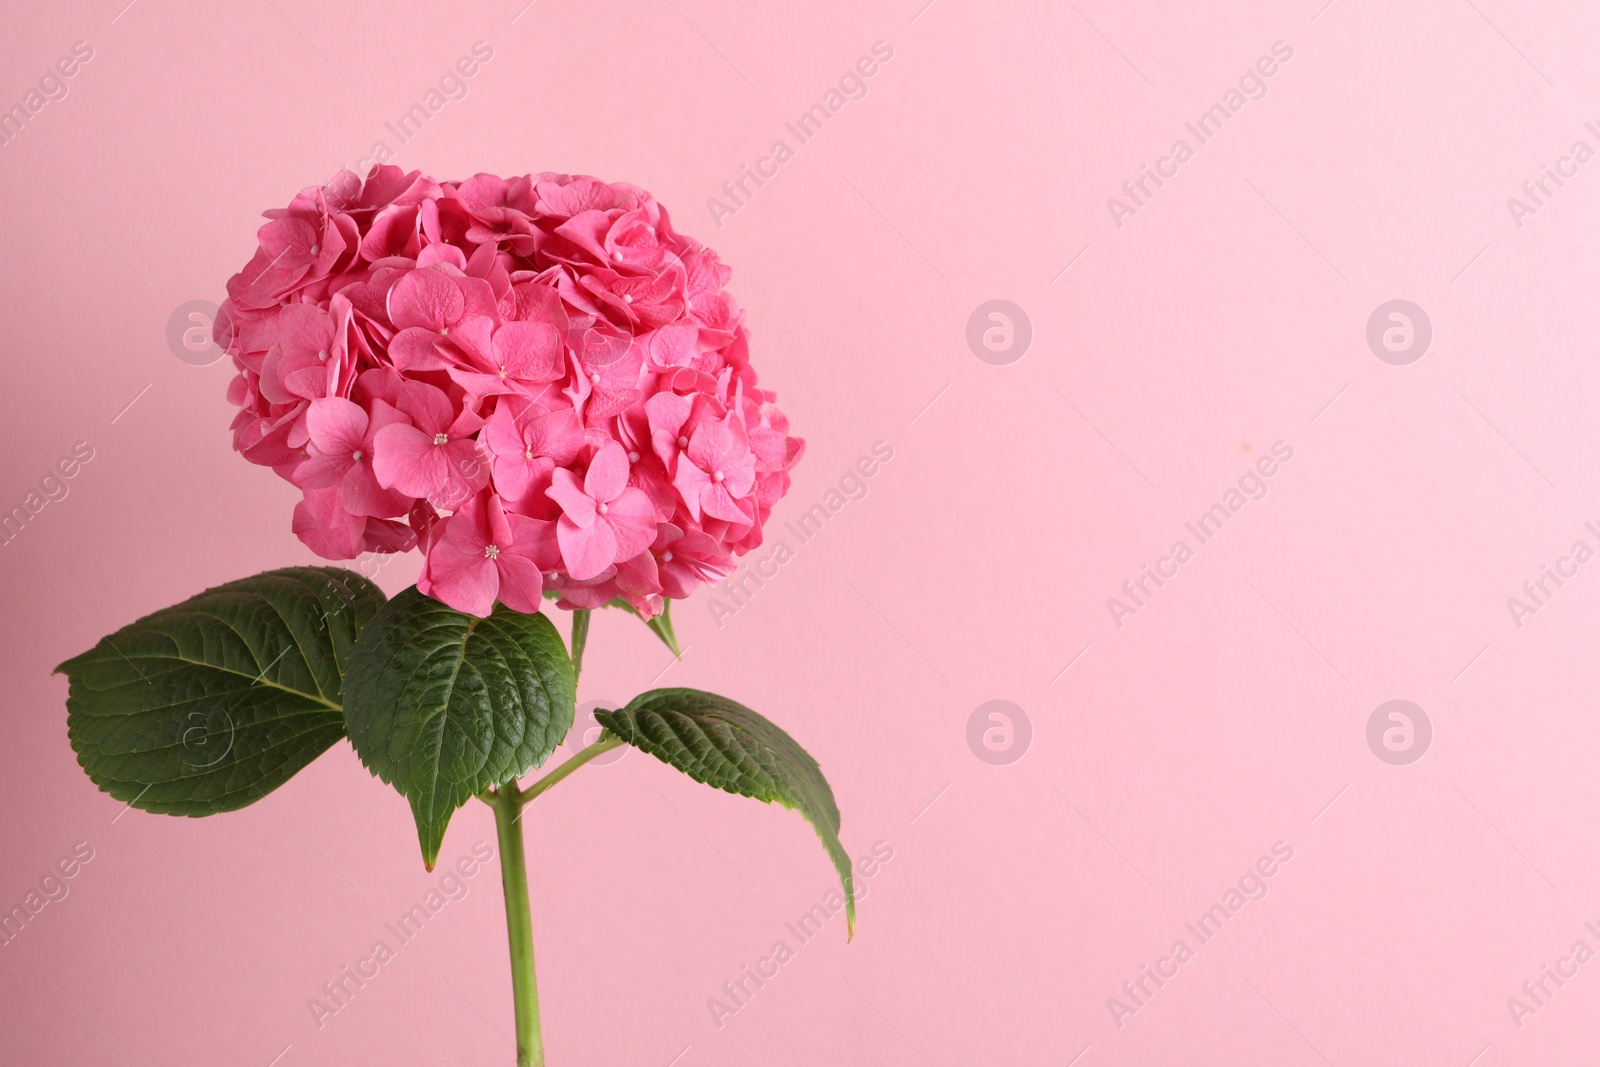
586,552
388,535
428,407
494,513
533,551
650,476
459,571
691,482
406,459
608,473
320,470
380,414
717,502
326,527
417,348
502,433
739,477
633,520
674,346
717,445
667,413
530,351
379,383
425,298
305,328
536,540
467,471
640,579
336,425
479,297
557,435
533,302
587,230
393,232
514,475
288,241
466,424
442,253
462,580
263,282
362,495
578,506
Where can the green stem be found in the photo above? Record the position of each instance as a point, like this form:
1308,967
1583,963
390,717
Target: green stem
507,802
607,742
580,637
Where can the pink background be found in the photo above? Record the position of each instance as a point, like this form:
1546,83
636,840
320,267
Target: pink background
1227,314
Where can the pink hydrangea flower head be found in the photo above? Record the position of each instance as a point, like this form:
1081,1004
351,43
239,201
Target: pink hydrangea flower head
535,380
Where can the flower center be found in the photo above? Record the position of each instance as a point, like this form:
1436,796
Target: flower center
441,438
527,453
633,457
491,551
617,254
322,354
603,508
683,442
502,372
716,476
627,298
356,455
315,249
666,557
444,331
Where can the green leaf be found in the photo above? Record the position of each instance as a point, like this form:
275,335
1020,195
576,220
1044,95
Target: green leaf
211,704
443,705
722,743
661,625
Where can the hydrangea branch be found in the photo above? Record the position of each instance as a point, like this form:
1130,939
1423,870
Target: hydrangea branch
544,388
